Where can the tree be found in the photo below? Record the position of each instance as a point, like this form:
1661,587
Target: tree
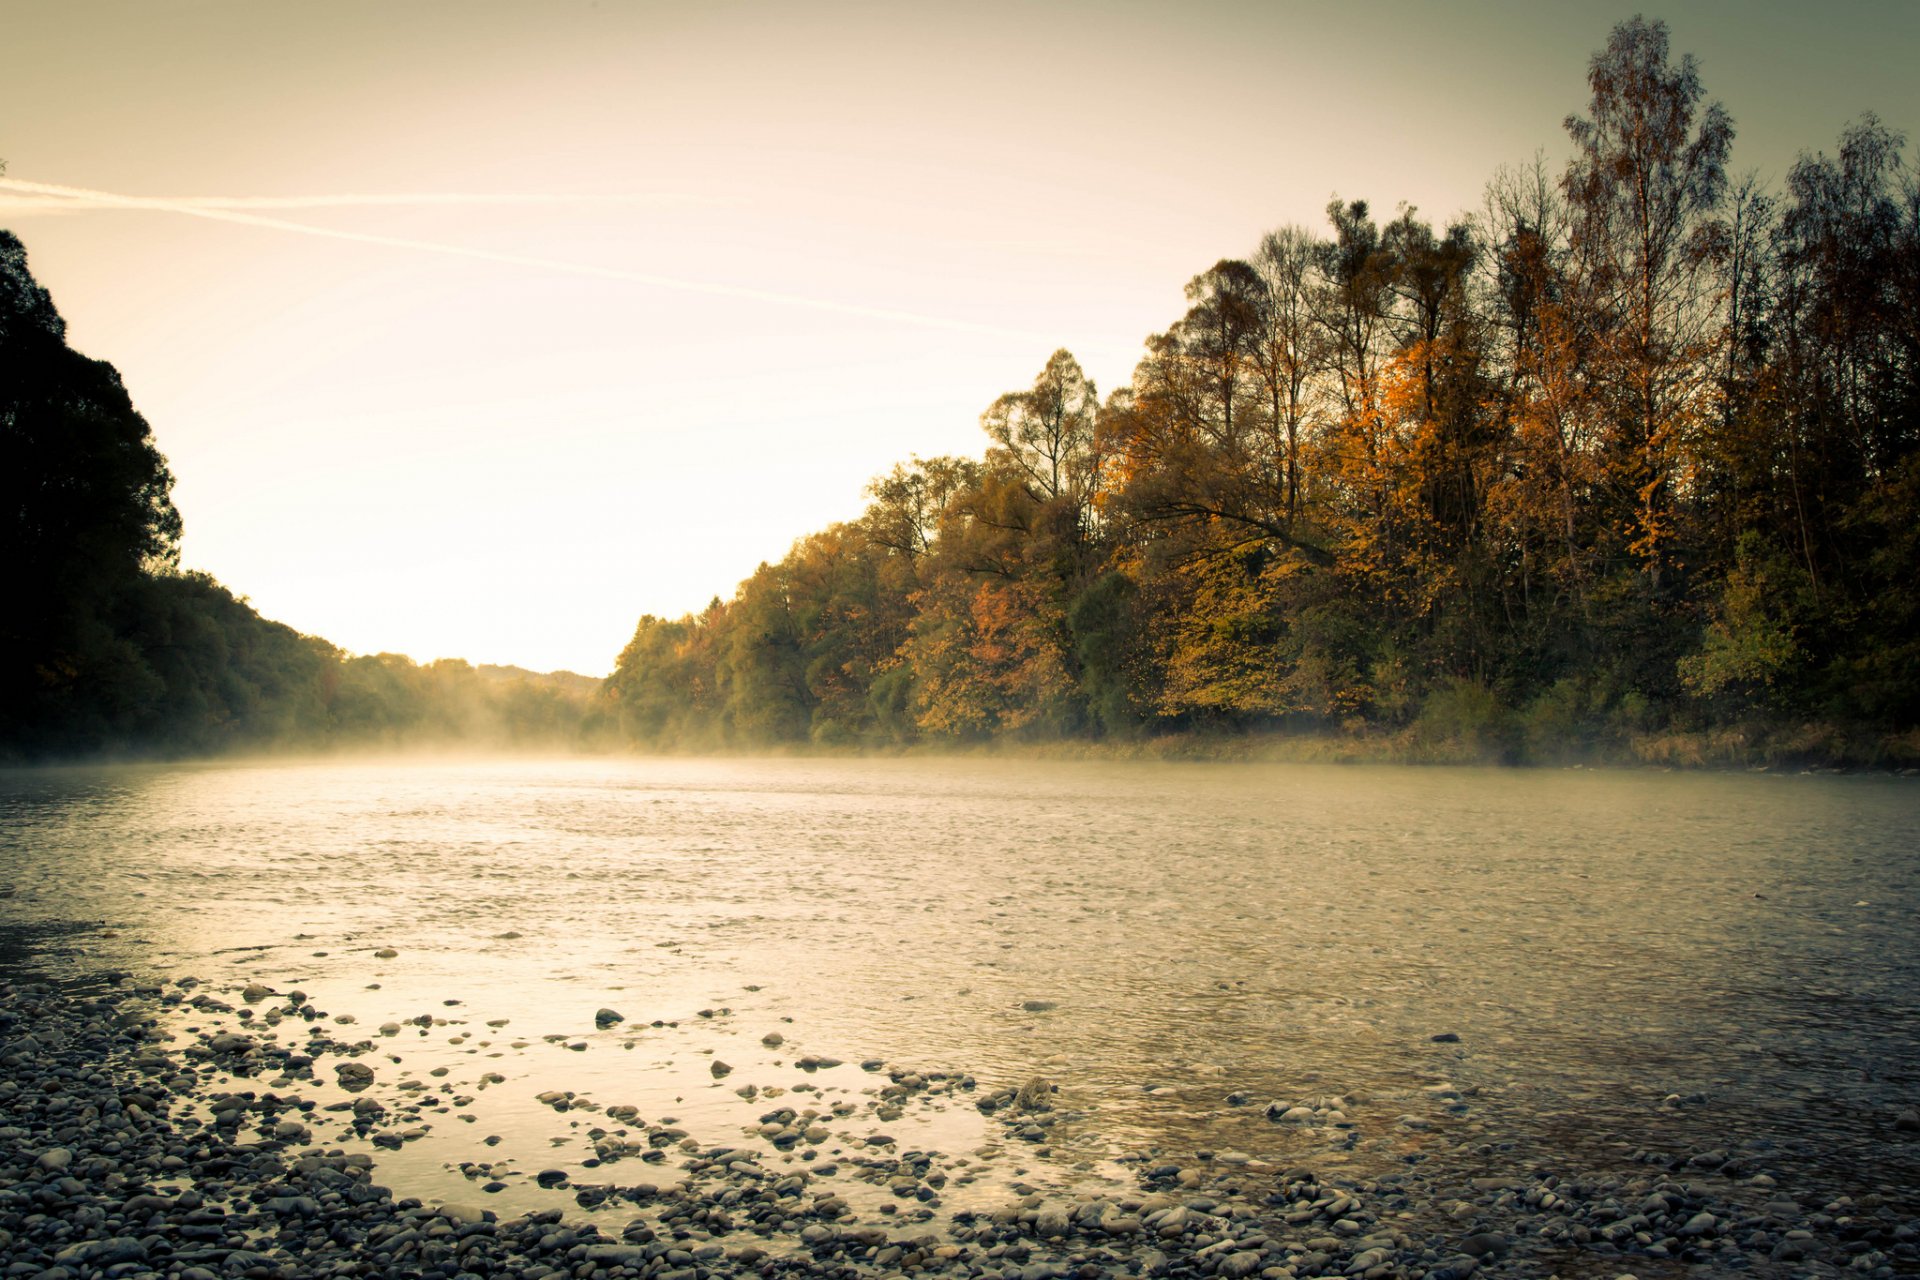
908,502
1354,302
84,491
85,510
1199,450
1290,349
1047,432
1845,378
1645,186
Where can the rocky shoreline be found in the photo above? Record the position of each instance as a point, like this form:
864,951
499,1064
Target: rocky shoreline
127,1150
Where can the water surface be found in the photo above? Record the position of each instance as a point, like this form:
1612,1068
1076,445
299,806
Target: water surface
1628,960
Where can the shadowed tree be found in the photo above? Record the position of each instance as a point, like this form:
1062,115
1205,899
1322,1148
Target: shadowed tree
1646,185
85,510
1199,450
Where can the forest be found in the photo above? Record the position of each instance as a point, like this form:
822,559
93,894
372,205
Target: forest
110,649
1619,466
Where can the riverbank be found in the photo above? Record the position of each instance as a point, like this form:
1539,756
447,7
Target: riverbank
1492,736
1785,749
254,1145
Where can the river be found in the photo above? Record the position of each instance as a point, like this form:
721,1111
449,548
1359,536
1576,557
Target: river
1560,969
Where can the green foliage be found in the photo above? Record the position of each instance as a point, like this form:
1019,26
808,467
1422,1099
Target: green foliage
1108,645
1752,649
1465,720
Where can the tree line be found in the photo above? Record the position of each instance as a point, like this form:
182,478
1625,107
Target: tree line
108,648
1623,462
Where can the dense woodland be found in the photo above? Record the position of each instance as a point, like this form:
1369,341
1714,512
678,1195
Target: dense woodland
1621,464
108,648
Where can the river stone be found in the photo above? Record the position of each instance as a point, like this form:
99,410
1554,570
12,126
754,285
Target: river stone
385,953
719,1068
617,1255
1241,1263
291,1206
1367,1260
1035,1095
1485,1244
56,1159
103,1253
354,1076
607,1017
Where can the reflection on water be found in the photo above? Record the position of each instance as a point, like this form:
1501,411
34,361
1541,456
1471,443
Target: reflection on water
1153,938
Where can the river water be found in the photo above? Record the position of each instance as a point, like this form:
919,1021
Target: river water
1629,961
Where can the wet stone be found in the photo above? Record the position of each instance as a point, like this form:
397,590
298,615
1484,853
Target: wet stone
246,1194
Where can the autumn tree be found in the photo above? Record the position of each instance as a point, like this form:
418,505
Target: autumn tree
909,501
1198,444
1632,450
1046,433
1646,186
1289,351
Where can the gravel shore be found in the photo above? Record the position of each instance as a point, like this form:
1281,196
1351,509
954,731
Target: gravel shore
120,1156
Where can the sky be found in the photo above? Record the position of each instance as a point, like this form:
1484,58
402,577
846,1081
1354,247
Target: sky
478,329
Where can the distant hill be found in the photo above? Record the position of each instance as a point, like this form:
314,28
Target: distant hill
571,683
108,648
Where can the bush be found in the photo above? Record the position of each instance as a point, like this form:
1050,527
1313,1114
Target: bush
1466,720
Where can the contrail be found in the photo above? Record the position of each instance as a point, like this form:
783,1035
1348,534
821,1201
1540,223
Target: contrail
80,203
221,213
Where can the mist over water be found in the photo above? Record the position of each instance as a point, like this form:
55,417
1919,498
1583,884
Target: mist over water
1151,938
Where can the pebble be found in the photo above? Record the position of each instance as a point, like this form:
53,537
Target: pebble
108,1169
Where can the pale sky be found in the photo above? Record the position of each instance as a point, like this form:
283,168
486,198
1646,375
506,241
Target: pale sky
620,298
